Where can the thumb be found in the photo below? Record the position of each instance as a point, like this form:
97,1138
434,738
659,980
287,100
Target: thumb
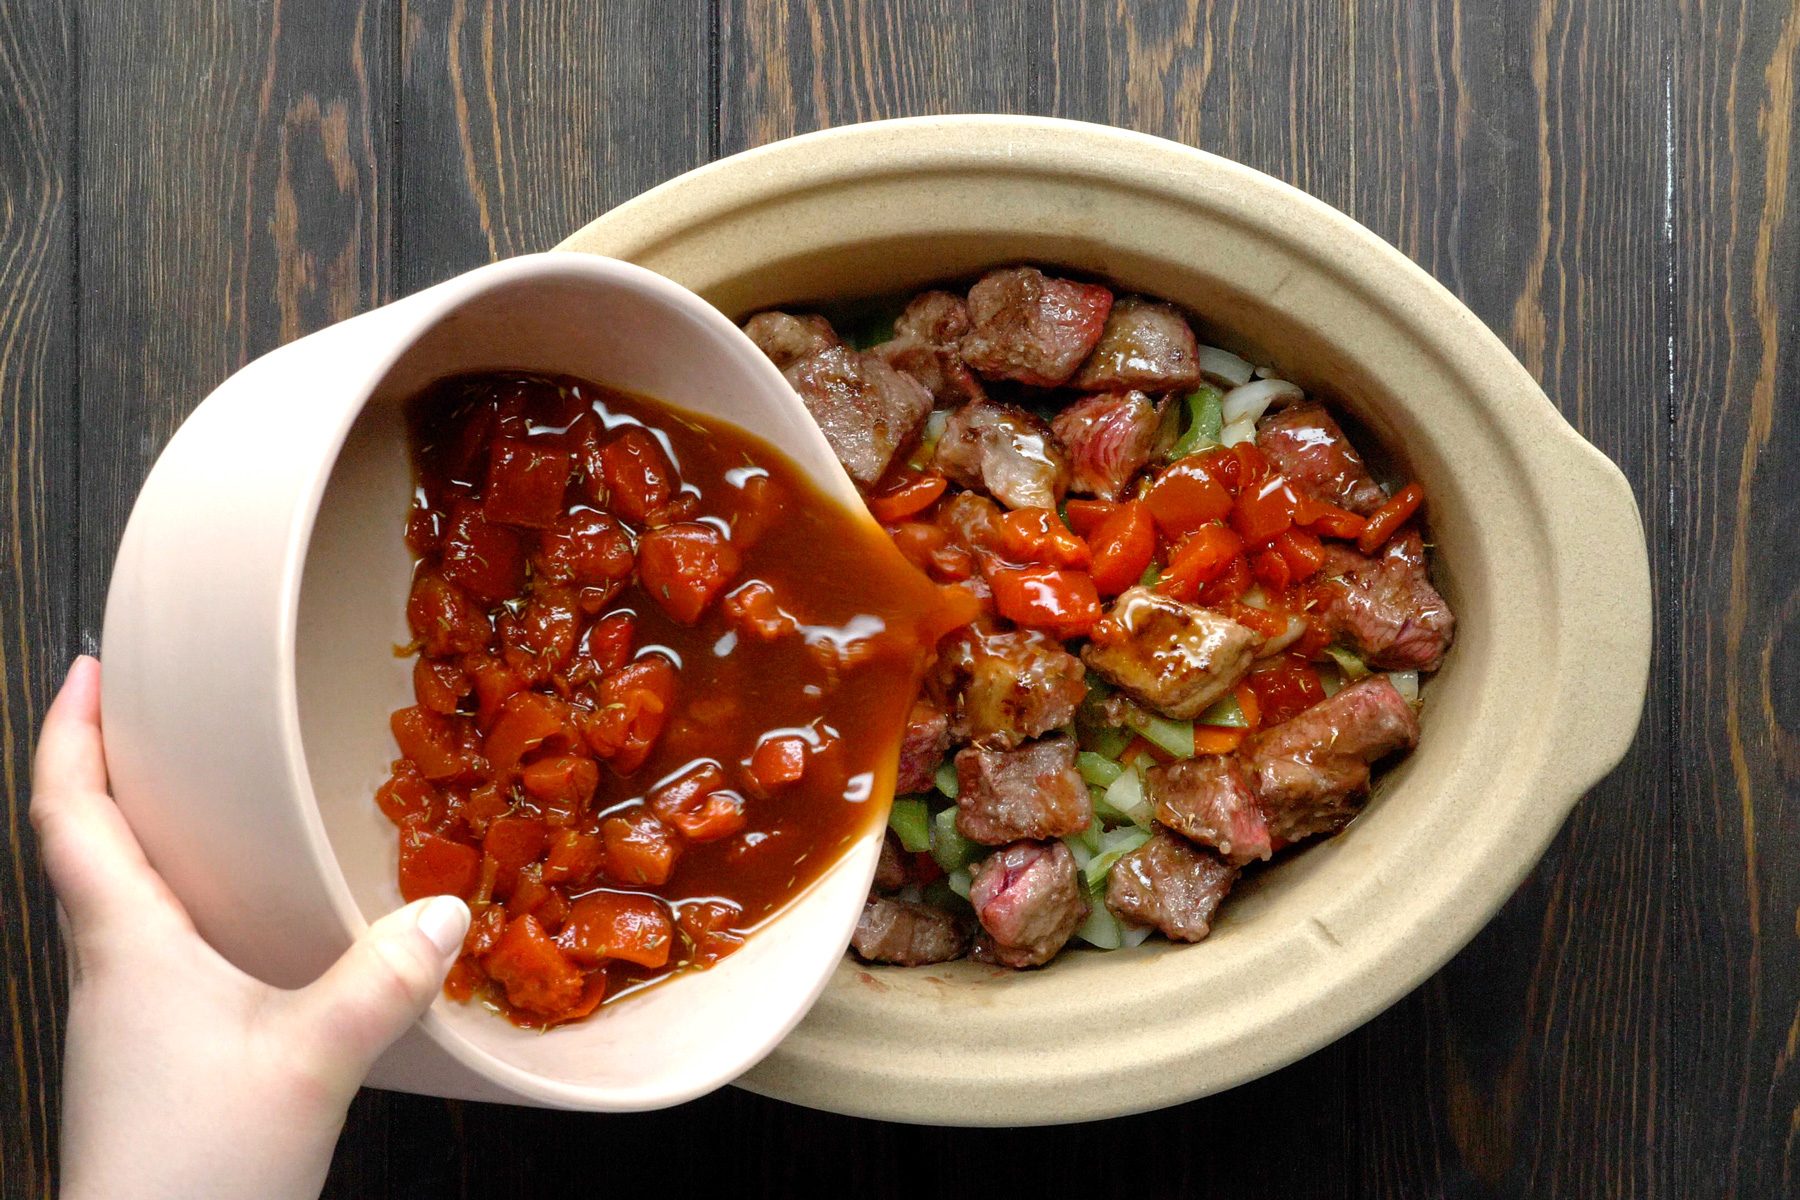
380,986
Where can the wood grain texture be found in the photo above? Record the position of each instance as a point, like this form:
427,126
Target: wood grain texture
186,183
1735,359
38,405
526,121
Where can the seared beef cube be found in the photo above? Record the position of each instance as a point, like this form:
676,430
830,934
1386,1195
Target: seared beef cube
1208,800
940,369
1031,792
1108,439
940,318
1307,446
1006,688
907,934
1386,606
1028,898
1004,451
866,409
1032,328
922,747
1311,771
1147,345
1170,883
789,337
892,870
1174,657
974,519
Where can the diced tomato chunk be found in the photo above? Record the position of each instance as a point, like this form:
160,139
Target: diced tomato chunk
532,897
1064,602
612,925
431,740
683,566
495,683
527,720
708,926
698,803
525,483
585,548
484,559
1302,550
778,760
406,796
1207,554
1263,511
574,857
537,976
1186,496
754,611
640,479
920,541
433,865
439,685
1271,570
1037,536
443,619
486,803
1086,515
1123,543
1231,583
904,494
566,779
540,637
515,841
1285,688
639,848
634,707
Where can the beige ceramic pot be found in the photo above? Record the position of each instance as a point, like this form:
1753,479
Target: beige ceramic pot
1540,550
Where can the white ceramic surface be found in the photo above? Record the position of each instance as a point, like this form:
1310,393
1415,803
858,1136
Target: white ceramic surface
258,595
1540,550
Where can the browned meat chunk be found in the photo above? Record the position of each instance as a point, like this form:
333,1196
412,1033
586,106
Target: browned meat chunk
940,369
1208,800
866,409
1309,448
1176,658
1386,606
922,747
936,317
1170,883
1032,792
1311,771
1146,345
1004,451
975,520
1029,901
907,934
1033,328
1108,438
788,337
891,869
1005,688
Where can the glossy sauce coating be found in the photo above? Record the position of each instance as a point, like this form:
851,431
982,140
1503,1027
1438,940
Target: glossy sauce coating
660,684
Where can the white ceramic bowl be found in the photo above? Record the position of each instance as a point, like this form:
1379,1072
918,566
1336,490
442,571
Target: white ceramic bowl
259,593
1539,549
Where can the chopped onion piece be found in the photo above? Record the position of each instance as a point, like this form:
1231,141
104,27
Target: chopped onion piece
1224,366
1349,662
1406,683
1295,627
960,880
1126,794
1083,853
1249,402
1268,373
1134,935
1101,929
1113,846
1236,432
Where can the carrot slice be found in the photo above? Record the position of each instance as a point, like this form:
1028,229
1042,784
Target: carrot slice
1390,517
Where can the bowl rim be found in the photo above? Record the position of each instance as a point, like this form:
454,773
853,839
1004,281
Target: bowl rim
1596,735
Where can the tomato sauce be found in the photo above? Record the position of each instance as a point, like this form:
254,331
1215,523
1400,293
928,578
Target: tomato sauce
660,684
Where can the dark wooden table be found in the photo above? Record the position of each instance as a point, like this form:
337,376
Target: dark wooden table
184,185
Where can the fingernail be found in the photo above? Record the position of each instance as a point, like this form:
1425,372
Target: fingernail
444,920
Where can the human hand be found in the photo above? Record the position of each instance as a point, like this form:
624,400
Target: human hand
183,1076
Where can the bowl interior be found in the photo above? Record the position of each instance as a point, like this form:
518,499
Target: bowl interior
673,1040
